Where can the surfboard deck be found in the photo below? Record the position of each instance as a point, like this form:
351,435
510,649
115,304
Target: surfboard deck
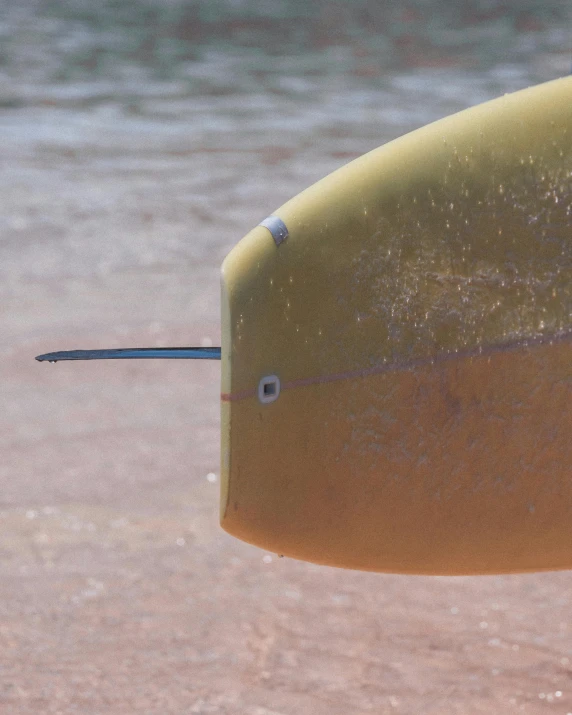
396,353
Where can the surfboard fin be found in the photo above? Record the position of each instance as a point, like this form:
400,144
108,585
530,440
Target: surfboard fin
133,353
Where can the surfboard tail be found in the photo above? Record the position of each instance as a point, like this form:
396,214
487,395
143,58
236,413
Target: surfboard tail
397,380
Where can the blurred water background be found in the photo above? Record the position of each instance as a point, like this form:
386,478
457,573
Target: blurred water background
117,50
139,141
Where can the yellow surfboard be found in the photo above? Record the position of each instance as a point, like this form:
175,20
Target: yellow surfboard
397,353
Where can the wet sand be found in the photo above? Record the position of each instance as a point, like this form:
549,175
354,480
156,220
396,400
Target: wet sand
119,592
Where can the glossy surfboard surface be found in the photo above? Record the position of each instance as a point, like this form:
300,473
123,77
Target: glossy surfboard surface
397,369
